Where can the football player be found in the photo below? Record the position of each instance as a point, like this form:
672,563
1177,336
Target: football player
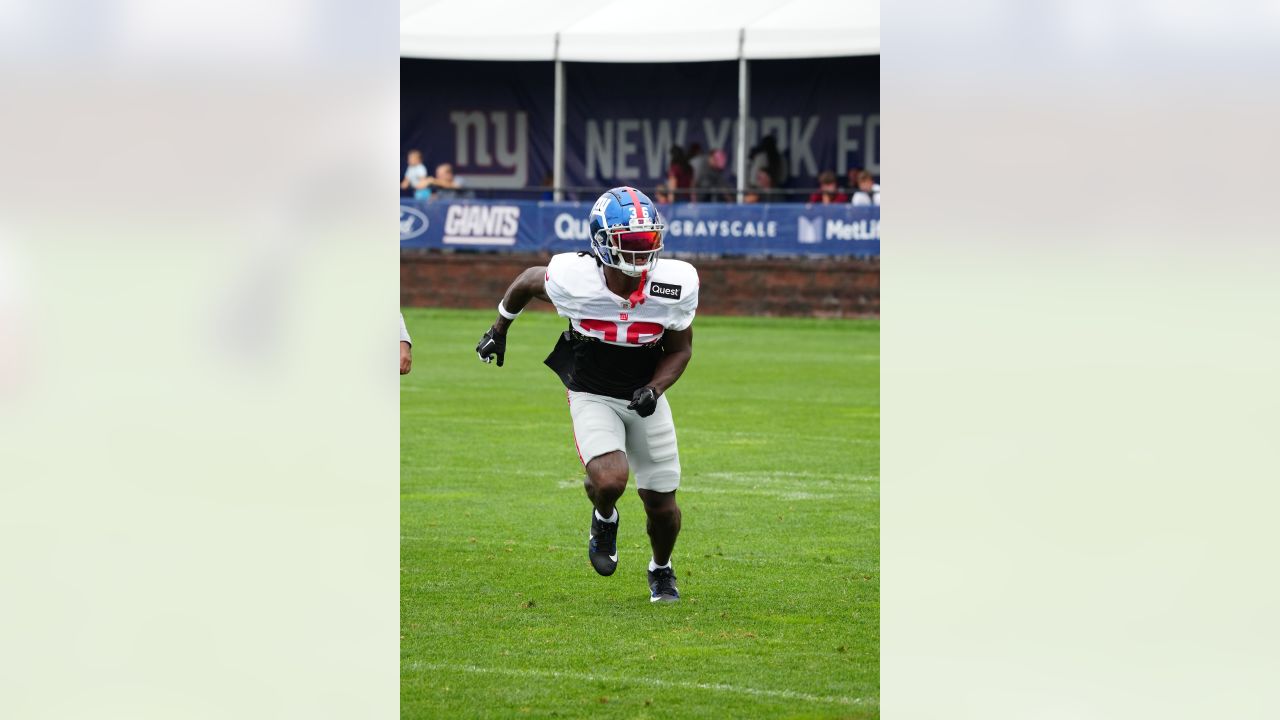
629,339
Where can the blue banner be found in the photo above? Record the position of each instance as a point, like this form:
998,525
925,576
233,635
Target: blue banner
493,120
707,228
622,120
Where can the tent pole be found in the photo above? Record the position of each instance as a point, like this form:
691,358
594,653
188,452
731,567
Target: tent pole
557,169
744,104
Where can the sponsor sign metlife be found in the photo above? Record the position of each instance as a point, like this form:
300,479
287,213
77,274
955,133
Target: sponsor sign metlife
853,230
815,230
481,224
809,230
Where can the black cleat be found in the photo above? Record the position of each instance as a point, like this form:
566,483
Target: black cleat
602,547
662,585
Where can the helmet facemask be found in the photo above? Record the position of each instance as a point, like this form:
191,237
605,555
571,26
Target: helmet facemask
631,250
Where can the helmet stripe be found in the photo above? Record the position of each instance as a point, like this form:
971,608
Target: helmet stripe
635,202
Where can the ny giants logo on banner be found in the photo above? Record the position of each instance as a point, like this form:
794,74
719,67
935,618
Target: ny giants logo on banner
491,149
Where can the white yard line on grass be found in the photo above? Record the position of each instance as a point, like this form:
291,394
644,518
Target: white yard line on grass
783,480
652,682
790,476
841,564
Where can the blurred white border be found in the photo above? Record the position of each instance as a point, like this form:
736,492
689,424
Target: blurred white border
1078,359
198,415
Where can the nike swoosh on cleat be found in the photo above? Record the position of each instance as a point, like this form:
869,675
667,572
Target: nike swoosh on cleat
613,558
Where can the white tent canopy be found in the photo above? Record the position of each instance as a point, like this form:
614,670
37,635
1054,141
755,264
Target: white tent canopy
628,31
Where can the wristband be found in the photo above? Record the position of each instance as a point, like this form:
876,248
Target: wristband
503,312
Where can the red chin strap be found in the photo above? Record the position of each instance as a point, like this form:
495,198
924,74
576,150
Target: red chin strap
637,296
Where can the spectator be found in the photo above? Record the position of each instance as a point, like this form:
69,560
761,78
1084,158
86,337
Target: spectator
710,184
852,183
762,185
828,192
415,175
868,190
679,173
444,184
663,195
767,157
698,163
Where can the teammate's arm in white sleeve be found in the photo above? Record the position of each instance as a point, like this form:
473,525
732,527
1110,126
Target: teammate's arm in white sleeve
406,348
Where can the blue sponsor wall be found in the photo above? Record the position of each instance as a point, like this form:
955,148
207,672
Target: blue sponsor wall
721,229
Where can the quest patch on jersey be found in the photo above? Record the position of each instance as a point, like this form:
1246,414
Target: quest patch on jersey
665,290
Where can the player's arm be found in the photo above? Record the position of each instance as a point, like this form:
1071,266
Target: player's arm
527,286
406,348
677,350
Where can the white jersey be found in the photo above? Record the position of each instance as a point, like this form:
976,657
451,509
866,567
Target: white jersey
576,286
862,197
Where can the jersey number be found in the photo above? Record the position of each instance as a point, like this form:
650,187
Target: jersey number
634,330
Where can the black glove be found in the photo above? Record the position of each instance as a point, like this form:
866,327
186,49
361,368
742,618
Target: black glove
493,343
644,401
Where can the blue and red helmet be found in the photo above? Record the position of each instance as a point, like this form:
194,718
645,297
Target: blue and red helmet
626,231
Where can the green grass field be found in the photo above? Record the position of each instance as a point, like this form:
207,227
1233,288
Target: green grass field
778,559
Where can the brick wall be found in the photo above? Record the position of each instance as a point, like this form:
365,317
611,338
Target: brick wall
834,287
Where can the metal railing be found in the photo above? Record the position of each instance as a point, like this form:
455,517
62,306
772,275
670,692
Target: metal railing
589,194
